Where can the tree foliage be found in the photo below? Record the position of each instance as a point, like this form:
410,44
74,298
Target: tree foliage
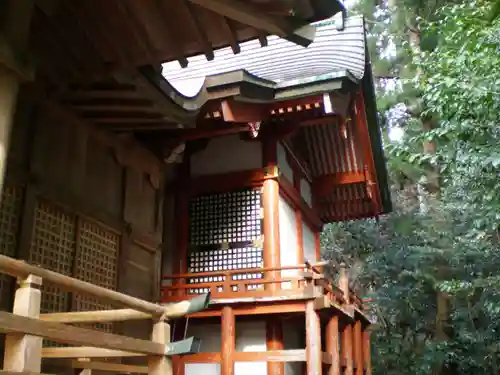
405,258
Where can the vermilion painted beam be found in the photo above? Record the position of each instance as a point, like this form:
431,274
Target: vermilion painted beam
322,186
234,111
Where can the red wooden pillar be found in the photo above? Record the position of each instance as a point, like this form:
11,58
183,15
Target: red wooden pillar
274,341
367,358
332,344
313,340
347,355
317,246
182,222
358,347
270,198
228,341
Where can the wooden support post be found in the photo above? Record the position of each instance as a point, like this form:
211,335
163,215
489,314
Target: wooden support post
228,341
344,283
9,87
270,200
313,340
367,358
160,365
358,347
332,344
23,353
274,341
347,348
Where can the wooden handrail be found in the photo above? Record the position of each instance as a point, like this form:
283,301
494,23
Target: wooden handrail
242,270
21,269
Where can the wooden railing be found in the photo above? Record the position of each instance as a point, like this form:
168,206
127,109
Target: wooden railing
26,327
302,279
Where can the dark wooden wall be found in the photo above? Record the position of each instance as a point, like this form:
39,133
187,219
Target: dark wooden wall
84,203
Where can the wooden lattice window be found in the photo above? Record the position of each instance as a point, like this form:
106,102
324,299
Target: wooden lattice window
53,247
97,263
224,233
10,216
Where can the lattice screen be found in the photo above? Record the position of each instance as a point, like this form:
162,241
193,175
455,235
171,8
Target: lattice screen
224,229
53,247
97,263
10,216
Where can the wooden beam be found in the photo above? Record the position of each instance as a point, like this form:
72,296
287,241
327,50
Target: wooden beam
115,108
101,94
22,351
207,45
175,310
86,352
227,24
274,342
358,347
246,14
313,340
234,111
323,185
19,268
108,366
11,323
228,341
272,357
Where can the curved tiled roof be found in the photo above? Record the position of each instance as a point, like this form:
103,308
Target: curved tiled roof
282,61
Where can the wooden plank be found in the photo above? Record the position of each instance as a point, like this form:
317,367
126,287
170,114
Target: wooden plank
228,341
108,366
17,268
86,352
273,356
10,323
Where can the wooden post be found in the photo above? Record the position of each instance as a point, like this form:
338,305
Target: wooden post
332,344
367,358
344,283
9,87
228,341
160,365
313,340
274,341
23,353
358,347
347,348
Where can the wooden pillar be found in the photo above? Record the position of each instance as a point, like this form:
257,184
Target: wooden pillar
332,344
23,353
317,246
160,365
270,200
344,283
9,87
313,340
228,341
274,341
182,222
367,358
346,347
358,347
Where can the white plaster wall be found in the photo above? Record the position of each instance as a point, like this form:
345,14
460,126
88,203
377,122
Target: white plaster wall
210,335
292,338
250,337
308,243
227,154
283,165
305,191
288,239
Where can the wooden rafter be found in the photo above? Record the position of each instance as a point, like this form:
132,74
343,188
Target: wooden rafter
231,34
202,35
322,186
246,14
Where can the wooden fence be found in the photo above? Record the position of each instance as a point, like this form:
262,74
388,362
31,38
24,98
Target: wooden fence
26,328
